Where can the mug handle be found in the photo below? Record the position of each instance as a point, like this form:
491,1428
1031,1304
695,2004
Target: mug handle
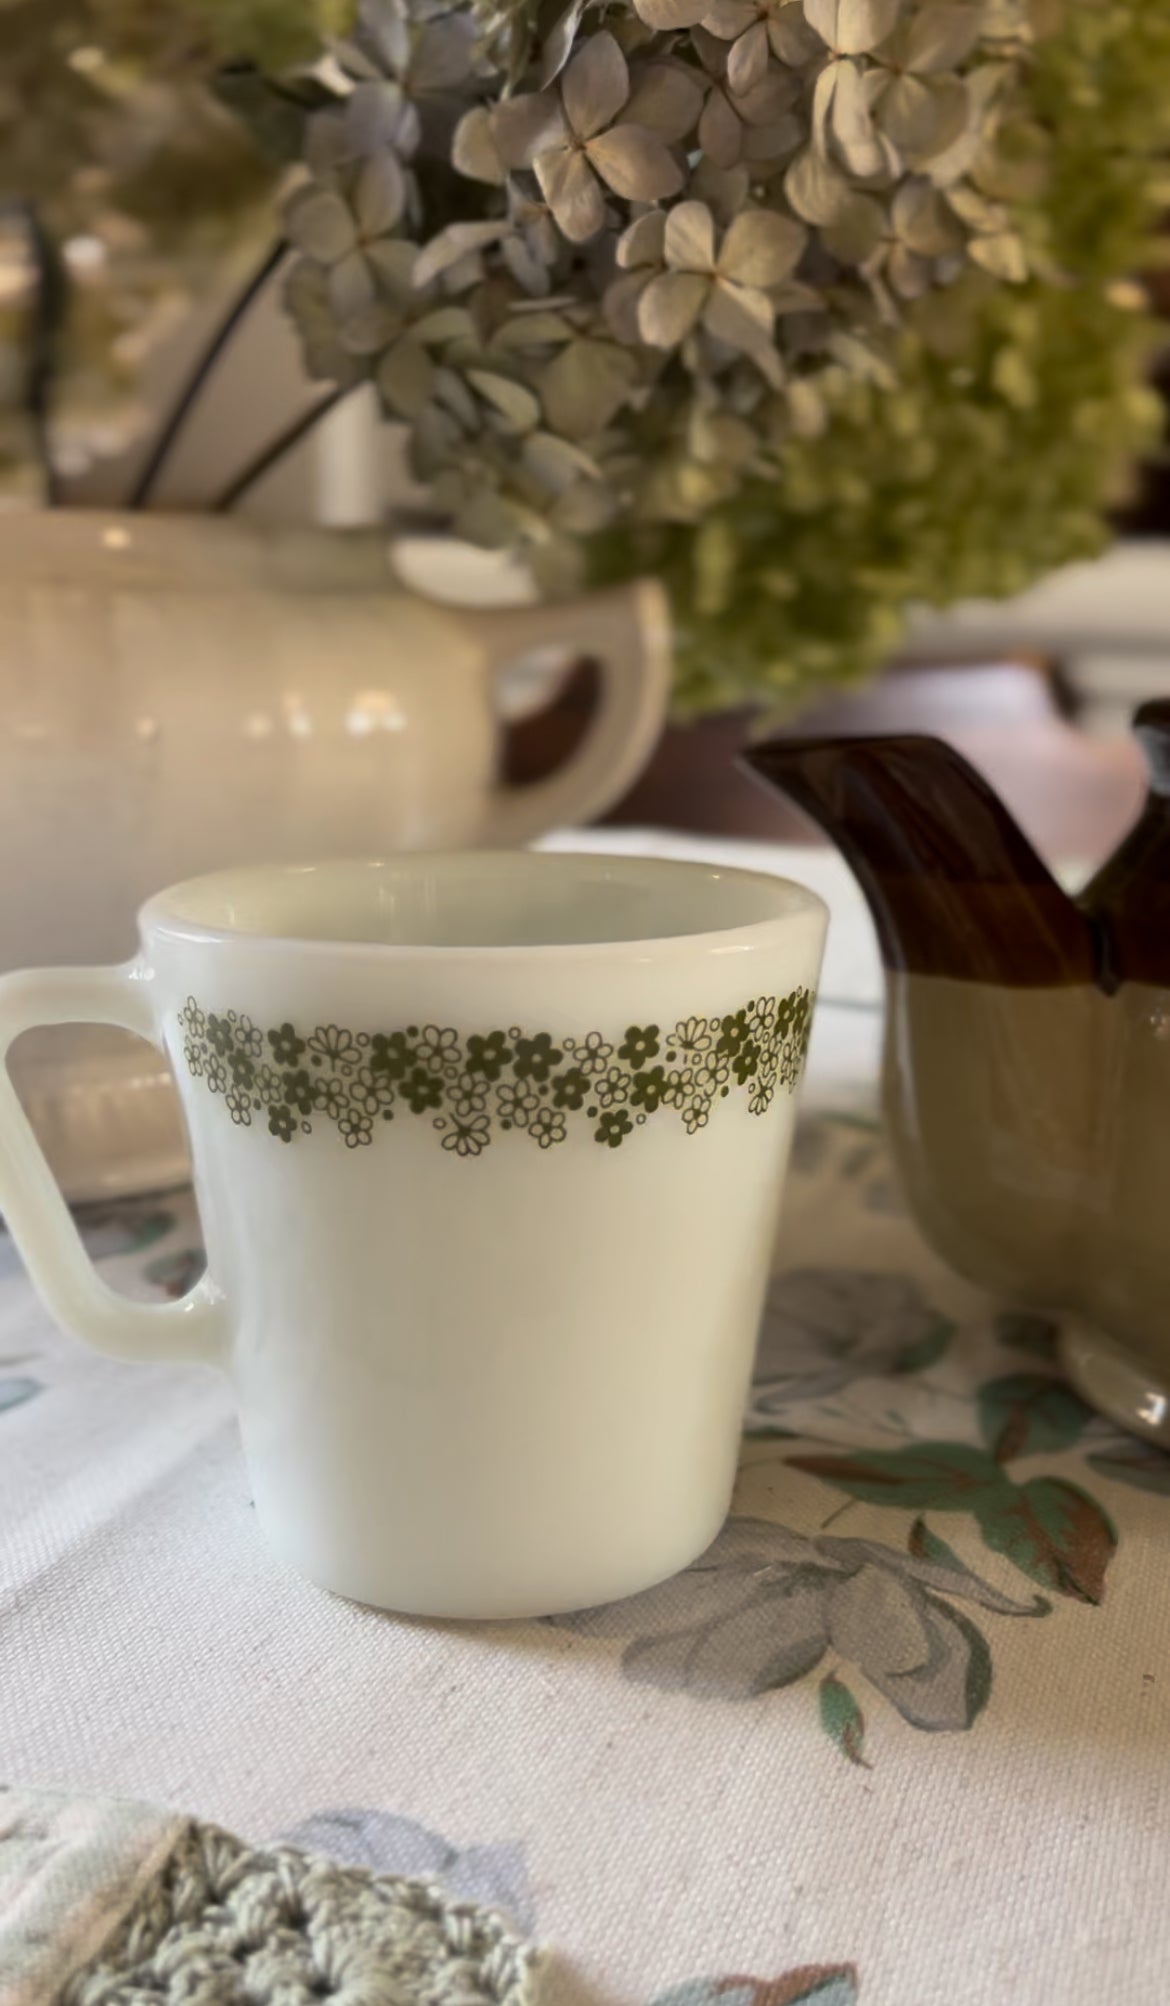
37,1216
627,632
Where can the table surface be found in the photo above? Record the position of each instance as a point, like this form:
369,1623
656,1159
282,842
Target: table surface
902,1738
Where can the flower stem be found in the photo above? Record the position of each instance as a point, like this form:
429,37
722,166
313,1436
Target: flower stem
188,395
275,451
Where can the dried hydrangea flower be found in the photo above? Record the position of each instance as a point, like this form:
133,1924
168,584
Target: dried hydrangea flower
350,230
576,142
722,287
762,123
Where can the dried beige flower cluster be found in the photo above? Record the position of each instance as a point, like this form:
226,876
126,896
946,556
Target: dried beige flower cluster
605,264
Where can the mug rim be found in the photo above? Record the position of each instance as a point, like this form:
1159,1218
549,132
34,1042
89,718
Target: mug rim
794,903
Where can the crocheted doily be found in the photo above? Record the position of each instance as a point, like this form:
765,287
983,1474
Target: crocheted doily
214,1922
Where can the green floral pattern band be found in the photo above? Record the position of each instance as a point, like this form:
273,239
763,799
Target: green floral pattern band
476,1087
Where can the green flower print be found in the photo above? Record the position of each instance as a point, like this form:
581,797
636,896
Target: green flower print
300,1089
473,1087
746,1061
220,1035
571,1090
331,1098
468,1094
762,1092
593,1054
515,1105
243,1069
239,1104
691,1037
356,1128
248,1039
639,1045
615,1087
547,1127
535,1058
488,1056
439,1050
393,1055
648,1090
330,1045
470,1137
732,1033
372,1092
422,1091
286,1046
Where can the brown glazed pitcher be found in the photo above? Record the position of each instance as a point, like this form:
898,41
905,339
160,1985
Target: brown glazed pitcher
1027,1055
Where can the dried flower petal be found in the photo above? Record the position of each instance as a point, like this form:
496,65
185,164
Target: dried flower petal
644,242
452,244
558,43
379,195
670,306
668,14
938,37
319,224
584,387
572,192
761,248
689,238
524,127
516,405
595,86
747,62
635,163
817,191
720,132
474,151
852,27
667,99
405,377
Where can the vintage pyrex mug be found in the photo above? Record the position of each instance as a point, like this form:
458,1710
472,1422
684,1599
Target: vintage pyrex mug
488,1151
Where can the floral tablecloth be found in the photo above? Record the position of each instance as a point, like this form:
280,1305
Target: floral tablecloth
901,1738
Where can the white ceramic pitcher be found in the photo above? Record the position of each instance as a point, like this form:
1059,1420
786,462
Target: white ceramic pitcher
180,693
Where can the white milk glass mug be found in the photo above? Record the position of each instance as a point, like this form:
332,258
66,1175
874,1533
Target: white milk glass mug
488,1151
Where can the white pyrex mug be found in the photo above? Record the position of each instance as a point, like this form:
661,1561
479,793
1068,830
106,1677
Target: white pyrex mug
488,1152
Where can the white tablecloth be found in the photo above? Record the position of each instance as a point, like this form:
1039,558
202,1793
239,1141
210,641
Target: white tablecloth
903,1739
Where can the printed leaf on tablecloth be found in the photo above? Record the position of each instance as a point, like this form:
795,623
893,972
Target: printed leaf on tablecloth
1027,1414
929,1476
366,1836
127,1227
928,1349
763,1607
806,1985
842,1719
1053,1532
1139,1464
15,1391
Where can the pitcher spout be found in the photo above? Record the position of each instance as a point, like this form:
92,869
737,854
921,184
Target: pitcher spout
954,886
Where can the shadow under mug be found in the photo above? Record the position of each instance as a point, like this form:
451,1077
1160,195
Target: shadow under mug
488,1152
